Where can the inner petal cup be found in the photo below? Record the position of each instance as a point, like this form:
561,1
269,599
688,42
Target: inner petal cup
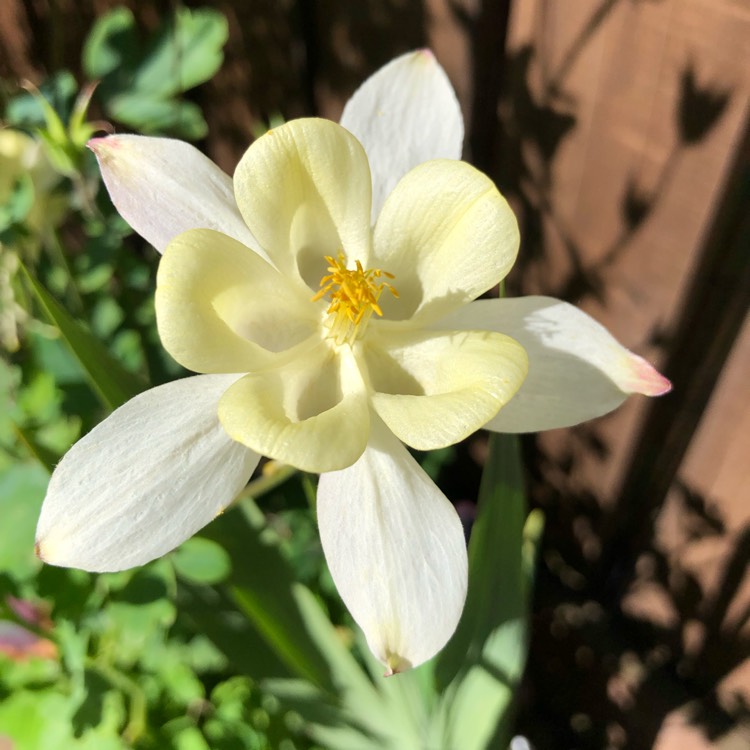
311,412
447,235
304,190
222,308
434,389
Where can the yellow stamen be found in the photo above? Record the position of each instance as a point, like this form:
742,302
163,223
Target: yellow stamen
354,296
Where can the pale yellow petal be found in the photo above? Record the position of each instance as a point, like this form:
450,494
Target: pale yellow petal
311,412
434,389
447,235
304,190
222,308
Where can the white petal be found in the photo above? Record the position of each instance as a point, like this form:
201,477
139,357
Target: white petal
404,114
577,370
163,187
396,551
144,480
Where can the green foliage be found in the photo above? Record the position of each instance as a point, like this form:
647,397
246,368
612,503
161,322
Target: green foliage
58,116
141,81
112,383
22,487
481,667
18,203
29,111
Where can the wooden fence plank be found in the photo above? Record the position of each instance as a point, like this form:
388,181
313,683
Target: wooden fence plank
623,123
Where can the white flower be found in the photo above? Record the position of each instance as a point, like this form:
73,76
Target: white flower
328,303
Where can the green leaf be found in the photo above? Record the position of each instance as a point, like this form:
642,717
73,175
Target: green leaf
190,738
150,114
179,681
138,616
262,586
63,158
46,457
213,613
481,667
408,699
532,539
186,52
34,672
79,129
202,561
289,624
42,720
106,48
29,110
35,720
331,726
18,203
139,85
22,488
112,383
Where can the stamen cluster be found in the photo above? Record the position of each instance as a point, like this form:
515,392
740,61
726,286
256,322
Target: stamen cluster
354,295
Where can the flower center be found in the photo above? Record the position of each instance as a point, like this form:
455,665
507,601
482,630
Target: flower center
354,296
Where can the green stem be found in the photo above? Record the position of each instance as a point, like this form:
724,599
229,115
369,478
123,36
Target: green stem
265,483
137,714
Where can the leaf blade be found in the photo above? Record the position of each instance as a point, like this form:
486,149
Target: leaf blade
111,382
481,667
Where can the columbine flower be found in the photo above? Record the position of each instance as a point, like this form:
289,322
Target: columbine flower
329,305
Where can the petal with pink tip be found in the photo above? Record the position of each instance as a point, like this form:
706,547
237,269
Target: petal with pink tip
577,369
163,187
